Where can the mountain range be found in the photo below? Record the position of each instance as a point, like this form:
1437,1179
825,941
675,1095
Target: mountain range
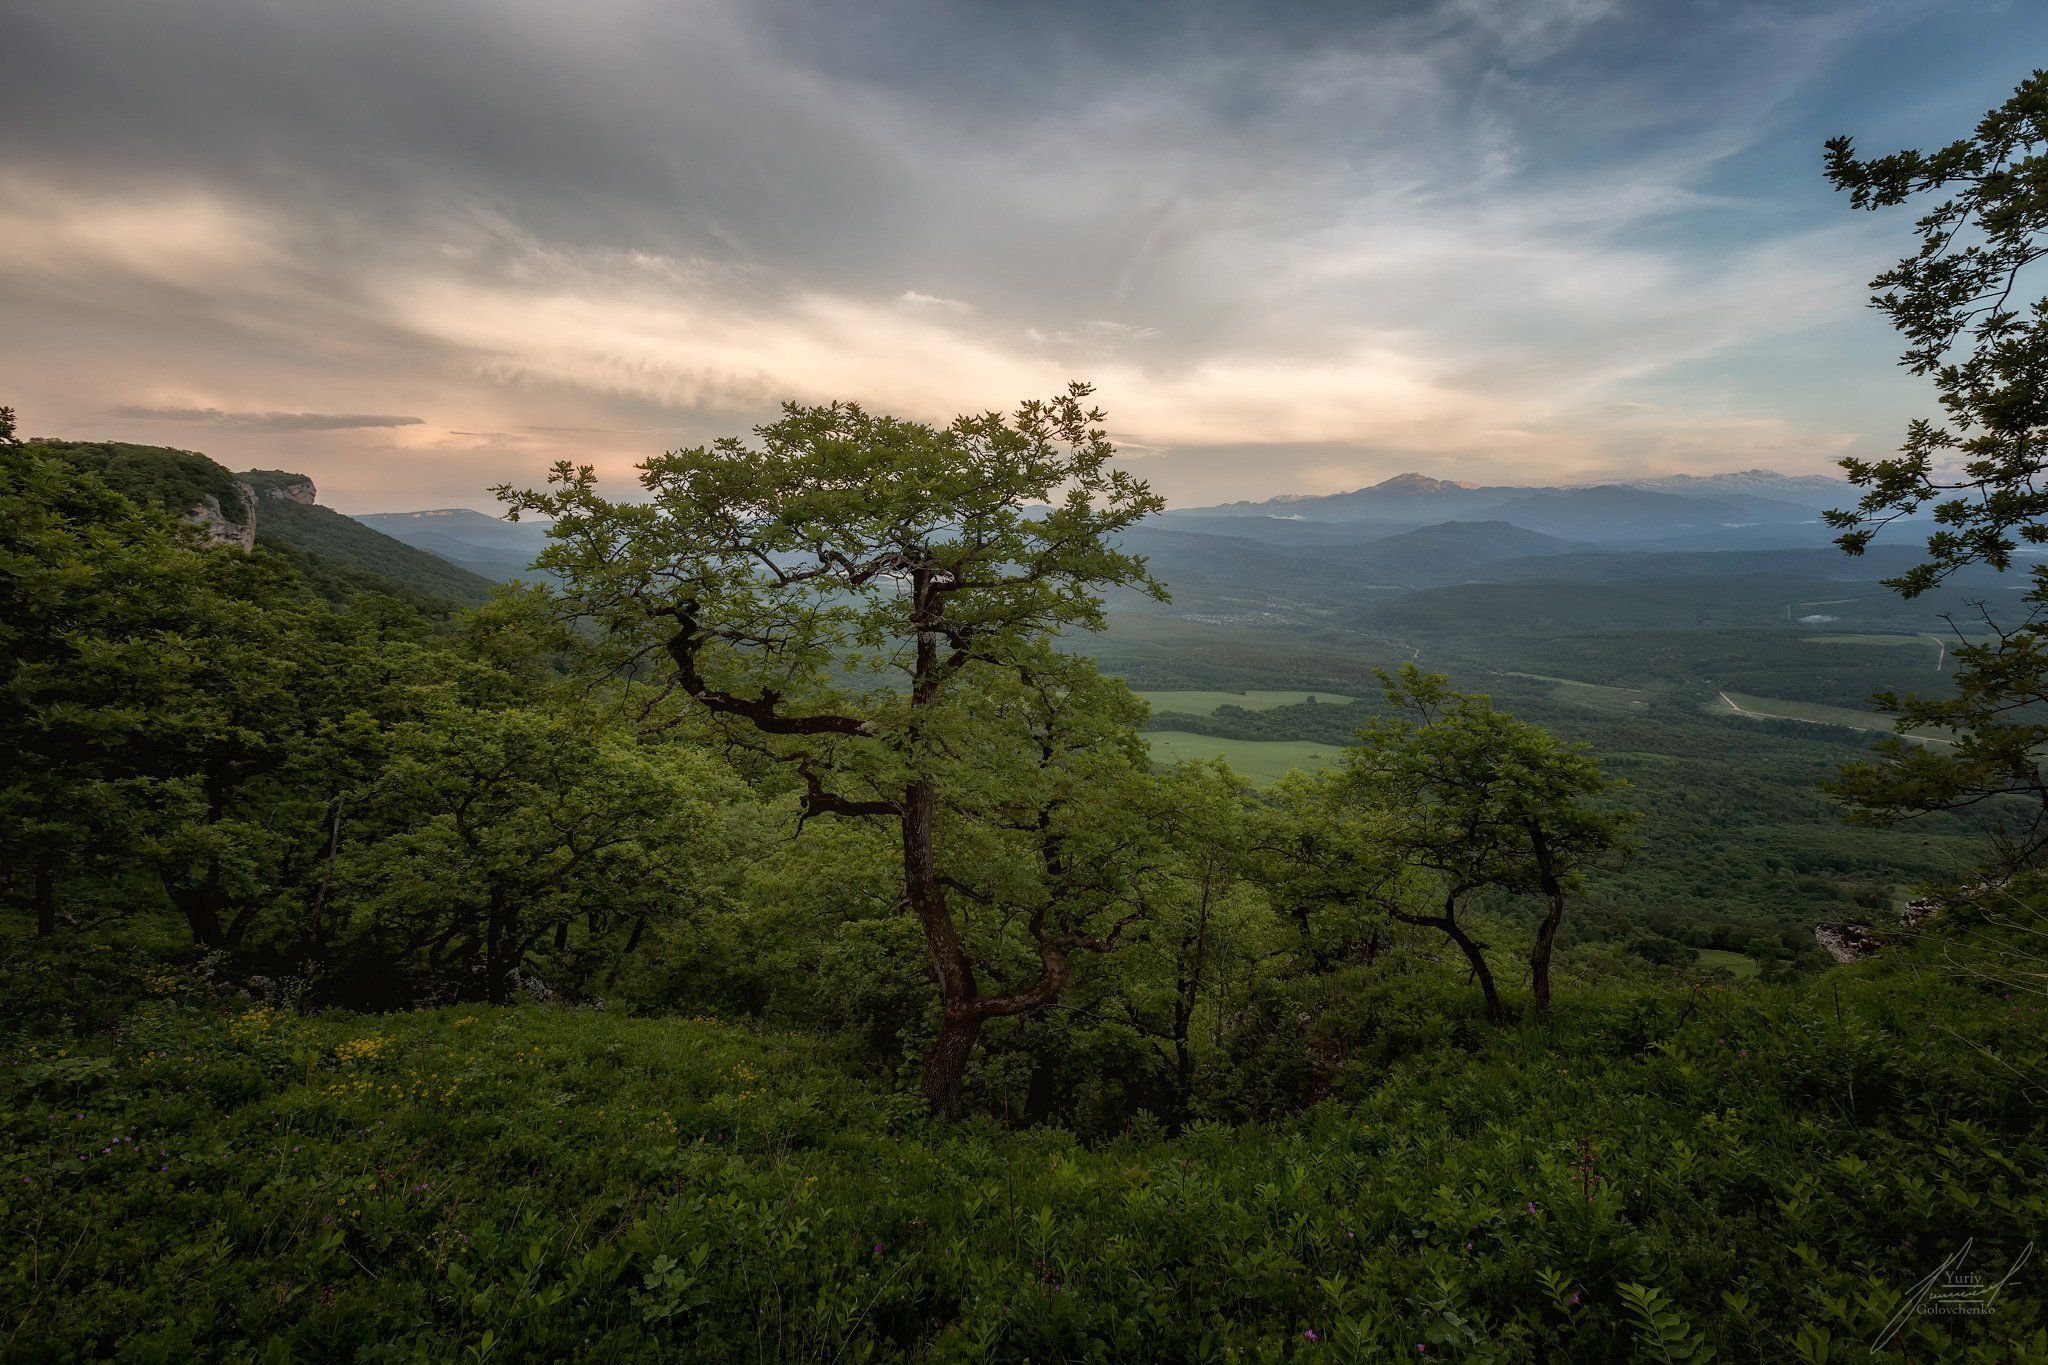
1410,547
1644,511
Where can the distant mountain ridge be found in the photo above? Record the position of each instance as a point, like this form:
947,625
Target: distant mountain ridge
1679,505
1770,483
490,546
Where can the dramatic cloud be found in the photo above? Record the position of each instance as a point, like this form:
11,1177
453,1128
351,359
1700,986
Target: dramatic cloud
1298,247
270,421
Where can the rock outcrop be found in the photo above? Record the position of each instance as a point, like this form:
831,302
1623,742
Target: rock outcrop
294,488
210,517
1854,942
255,486
1847,942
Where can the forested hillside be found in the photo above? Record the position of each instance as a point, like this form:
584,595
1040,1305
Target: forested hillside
770,936
337,555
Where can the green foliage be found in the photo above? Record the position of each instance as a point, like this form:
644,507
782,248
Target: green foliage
1963,309
868,605
495,829
341,557
1645,1178
1661,1334
1446,797
154,476
1969,324
1272,1123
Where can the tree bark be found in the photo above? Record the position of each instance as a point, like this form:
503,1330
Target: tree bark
1546,935
946,1062
201,915
1476,955
959,994
499,948
1474,951
316,927
1539,955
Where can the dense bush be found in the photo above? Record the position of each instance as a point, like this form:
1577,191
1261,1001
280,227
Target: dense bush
1765,1173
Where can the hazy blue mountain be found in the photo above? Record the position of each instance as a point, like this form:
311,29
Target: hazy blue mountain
1608,512
1412,499
1821,490
1278,529
483,544
1599,512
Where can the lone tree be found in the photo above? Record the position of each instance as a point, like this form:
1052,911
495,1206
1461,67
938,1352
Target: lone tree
1482,801
866,604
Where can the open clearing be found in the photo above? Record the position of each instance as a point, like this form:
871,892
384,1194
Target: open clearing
1735,964
1870,640
1814,713
1203,703
1261,760
1590,696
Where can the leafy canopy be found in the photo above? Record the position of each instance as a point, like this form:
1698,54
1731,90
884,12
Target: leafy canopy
1971,323
780,577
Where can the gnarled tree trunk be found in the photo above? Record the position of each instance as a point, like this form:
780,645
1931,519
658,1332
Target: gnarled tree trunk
1474,950
1546,934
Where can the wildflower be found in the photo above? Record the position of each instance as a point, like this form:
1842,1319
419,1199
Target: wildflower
878,1248
1575,1298
1308,1334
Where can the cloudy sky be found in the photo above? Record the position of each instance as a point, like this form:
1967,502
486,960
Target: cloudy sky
416,248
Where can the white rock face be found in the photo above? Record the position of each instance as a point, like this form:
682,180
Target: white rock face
209,517
301,492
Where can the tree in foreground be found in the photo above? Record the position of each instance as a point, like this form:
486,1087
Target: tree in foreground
1478,801
1963,307
865,604
1975,322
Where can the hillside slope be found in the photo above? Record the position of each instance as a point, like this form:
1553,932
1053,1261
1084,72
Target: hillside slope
337,550
232,1181
337,555
499,550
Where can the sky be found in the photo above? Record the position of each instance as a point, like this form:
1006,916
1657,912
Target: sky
415,249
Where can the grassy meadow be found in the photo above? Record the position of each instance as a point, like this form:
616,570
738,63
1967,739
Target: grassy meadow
1262,760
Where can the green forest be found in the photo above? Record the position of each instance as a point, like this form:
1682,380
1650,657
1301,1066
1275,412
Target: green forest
766,932
768,939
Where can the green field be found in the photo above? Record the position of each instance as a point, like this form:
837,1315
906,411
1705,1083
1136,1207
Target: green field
1780,708
1193,703
1868,640
1260,760
1740,965
1590,696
